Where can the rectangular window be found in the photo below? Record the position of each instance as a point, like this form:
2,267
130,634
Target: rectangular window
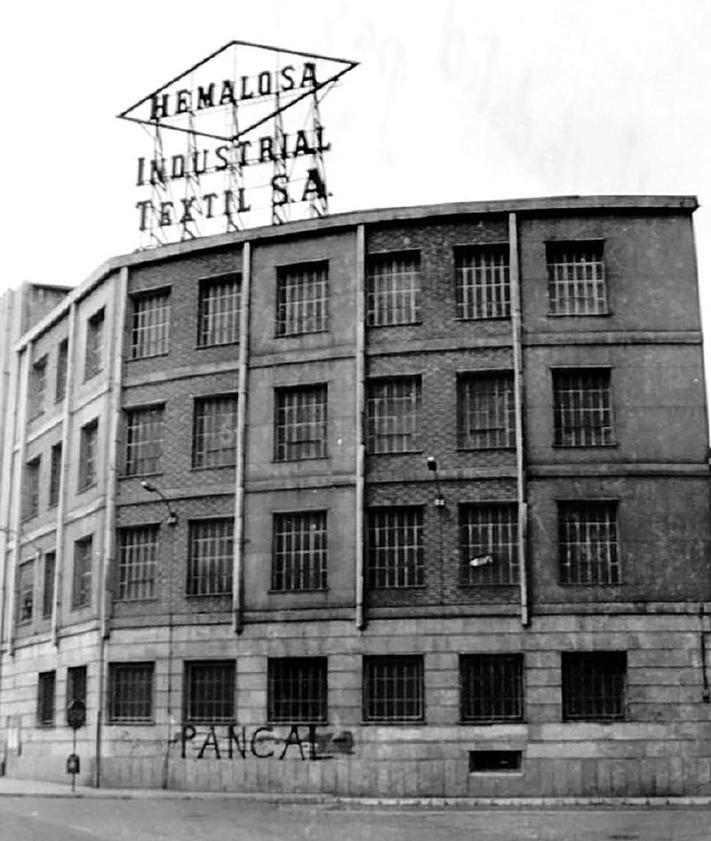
576,278
210,558
150,328
489,543
37,388
93,358
45,698
144,440
302,299
48,584
219,310
60,383
81,578
31,486
209,692
130,693
491,687
594,685
137,562
297,690
55,474
300,423
25,592
393,289
582,411
299,561
393,689
587,542
393,415
76,684
395,548
215,432
486,411
482,282
87,455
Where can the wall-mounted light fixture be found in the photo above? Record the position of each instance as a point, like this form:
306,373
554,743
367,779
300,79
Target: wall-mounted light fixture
432,465
172,518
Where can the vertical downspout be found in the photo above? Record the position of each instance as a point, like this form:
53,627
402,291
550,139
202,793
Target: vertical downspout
517,343
238,561
360,420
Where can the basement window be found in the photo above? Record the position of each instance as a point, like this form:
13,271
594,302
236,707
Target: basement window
494,760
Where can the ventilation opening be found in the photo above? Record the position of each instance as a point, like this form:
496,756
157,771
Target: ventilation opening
494,760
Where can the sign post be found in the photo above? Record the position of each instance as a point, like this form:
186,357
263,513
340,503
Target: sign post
76,718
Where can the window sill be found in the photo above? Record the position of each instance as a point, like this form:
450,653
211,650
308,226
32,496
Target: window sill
148,599
580,314
462,318
45,725
611,445
197,468
27,517
218,344
301,333
397,324
491,723
373,453
380,588
149,356
85,488
224,595
591,584
139,475
509,449
89,377
120,723
294,460
304,591
487,584
396,723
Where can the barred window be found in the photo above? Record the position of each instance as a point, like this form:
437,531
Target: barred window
45,698
594,685
76,684
130,693
87,455
31,486
486,411
393,289
302,299
25,592
489,543
210,558
55,474
300,423
37,388
138,547
300,548
81,578
582,411
587,542
60,383
491,687
48,584
144,440
393,415
215,432
393,689
576,278
482,282
209,691
297,690
150,330
395,548
218,319
93,357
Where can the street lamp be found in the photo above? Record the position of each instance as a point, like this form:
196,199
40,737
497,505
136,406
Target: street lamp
432,465
172,519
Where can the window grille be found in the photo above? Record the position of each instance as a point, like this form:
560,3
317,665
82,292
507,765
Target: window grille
302,299
594,685
48,584
150,331
60,383
576,279
76,684
587,543
393,415
144,440
491,687
87,455
486,416
300,423
30,497
37,387
482,282
25,592
215,432
300,549
393,689
138,548
582,412
93,361
130,693
209,691
297,690
393,289
210,558
45,698
81,579
489,544
55,474
218,320
395,548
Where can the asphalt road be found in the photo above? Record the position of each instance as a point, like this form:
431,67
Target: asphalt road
61,819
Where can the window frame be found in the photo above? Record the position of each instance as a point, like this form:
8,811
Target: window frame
206,330
616,672
374,296
315,680
137,421
196,563
397,566
49,565
497,662
228,666
55,474
467,303
204,453
568,436
285,438
142,669
504,552
612,564
31,488
94,344
288,551
297,325
556,248
139,346
383,410
25,587
144,567
76,675
37,388
82,569
416,661
88,455
501,437
60,375
47,698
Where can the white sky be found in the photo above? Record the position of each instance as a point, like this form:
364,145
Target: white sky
454,100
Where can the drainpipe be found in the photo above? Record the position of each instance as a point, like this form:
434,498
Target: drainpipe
360,619
517,343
